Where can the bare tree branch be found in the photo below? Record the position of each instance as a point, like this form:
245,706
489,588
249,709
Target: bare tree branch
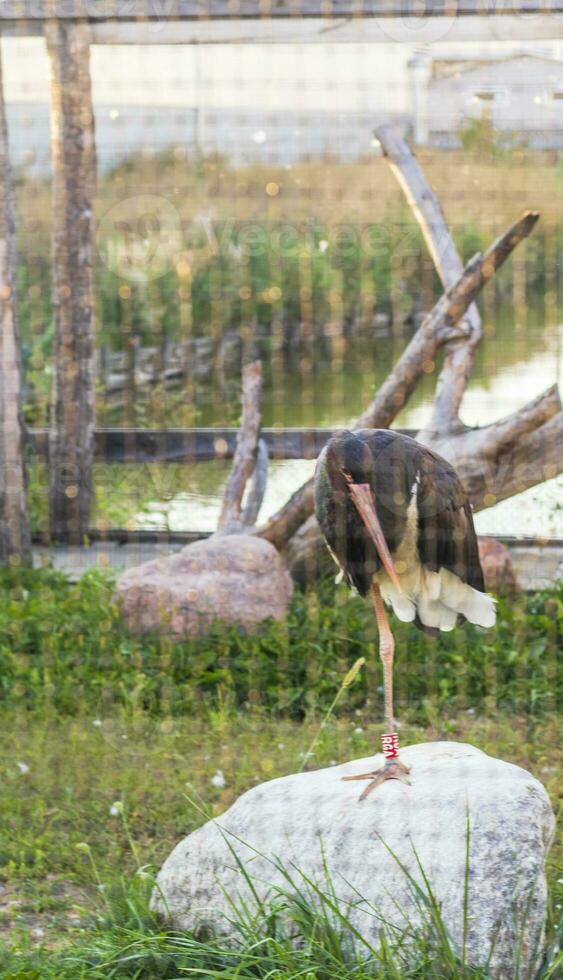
501,436
495,461
245,453
533,458
258,485
459,354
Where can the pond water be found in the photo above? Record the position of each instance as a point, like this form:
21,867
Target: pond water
518,359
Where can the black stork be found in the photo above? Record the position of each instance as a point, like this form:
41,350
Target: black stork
398,523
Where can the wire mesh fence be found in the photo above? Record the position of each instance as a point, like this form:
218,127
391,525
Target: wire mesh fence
243,210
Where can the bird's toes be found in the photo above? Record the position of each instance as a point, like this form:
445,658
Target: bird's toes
403,776
380,778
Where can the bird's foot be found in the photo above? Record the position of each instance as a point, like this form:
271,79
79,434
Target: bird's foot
392,769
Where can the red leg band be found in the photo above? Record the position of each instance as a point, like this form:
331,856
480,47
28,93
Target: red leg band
390,745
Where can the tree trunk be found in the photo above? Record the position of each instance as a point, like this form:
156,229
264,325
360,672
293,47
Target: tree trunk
71,441
15,543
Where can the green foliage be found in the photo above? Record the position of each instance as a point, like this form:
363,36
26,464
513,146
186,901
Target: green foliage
479,136
63,643
105,737
265,283
90,798
249,267
265,270
331,248
303,931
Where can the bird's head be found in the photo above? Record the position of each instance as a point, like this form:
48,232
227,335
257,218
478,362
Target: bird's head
348,460
350,466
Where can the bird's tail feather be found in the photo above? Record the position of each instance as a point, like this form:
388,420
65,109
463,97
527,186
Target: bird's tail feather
438,599
477,607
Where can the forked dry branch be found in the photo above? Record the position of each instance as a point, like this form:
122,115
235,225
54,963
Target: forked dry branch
498,460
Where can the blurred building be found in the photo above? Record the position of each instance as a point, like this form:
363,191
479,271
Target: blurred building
520,96
283,102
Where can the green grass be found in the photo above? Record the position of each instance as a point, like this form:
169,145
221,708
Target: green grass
303,932
64,836
106,738
378,267
63,648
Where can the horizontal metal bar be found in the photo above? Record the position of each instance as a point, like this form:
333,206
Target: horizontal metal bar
310,30
121,537
17,11
193,445
124,537
313,30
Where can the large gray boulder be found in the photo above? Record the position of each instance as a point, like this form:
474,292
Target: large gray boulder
237,578
313,820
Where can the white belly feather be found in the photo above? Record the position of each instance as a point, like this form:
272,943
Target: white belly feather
438,597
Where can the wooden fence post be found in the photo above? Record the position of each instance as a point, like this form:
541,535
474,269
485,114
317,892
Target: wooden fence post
71,441
15,543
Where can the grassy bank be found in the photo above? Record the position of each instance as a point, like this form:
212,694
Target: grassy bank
114,747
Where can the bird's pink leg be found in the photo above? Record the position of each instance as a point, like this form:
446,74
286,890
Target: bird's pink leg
386,652
393,767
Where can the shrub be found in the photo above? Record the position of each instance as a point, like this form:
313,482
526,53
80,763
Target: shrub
63,644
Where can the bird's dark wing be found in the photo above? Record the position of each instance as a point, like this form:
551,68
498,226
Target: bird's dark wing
343,530
446,533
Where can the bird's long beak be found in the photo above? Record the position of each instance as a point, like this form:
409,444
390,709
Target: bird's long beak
363,500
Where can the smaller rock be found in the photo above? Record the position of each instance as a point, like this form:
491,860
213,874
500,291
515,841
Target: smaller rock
307,555
237,578
496,562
